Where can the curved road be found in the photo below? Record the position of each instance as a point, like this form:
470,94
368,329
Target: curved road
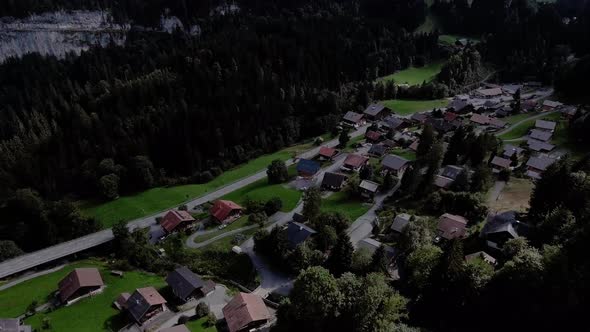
516,124
31,260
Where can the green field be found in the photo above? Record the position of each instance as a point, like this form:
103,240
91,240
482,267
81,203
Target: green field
200,326
340,202
416,75
523,128
407,107
451,39
241,222
262,191
161,198
515,118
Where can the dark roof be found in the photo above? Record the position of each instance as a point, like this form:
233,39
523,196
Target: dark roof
156,232
451,171
499,223
451,226
495,122
479,119
394,162
308,166
547,125
540,163
79,278
388,143
377,149
537,145
142,300
354,160
298,217
510,150
297,233
373,135
184,282
222,208
400,222
353,117
443,182
541,135
244,309
334,180
441,125
375,109
450,116
327,152
393,122
174,218
501,162
458,104
420,117
414,145
371,245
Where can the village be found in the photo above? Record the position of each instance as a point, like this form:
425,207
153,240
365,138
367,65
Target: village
366,177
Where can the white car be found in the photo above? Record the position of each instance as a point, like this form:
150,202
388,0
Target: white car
222,226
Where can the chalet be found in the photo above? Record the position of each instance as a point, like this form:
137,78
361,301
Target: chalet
451,227
447,176
377,150
187,285
510,150
459,105
496,123
545,125
511,89
388,143
488,93
480,119
376,111
145,304
327,153
537,165
540,135
500,228
225,211
483,256
499,164
395,165
550,105
400,222
307,168
372,136
394,123
245,312
298,233
80,283
353,119
503,111
368,189
177,328
371,245
539,146
13,325
414,145
333,181
569,112
176,219
420,118
450,116
354,162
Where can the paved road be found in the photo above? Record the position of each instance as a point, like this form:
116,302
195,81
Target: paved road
31,260
516,124
29,277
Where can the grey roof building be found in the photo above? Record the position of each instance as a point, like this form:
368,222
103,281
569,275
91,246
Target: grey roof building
499,229
186,284
13,325
333,181
145,303
541,135
545,125
393,162
298,233
400,222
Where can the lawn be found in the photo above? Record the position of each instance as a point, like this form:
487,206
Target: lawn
407,107
350,146
405,153
158,199
523,128
451,39
261,190
199,325
515,118
416,75
225,244
241,222
515,196
340,202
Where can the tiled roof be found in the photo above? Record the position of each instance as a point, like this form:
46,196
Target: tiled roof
244,309
222,208
79,278
174,218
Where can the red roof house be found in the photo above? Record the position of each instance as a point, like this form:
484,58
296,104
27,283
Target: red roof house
372,136
354,162
327,153
245,312
225,211
450,116
451,226
80,282
175,218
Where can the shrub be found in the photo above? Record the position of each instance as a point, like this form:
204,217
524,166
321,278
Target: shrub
183,319
273,206
211,319
202,310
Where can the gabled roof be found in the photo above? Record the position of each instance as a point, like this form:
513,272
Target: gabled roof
541,135
451,171
79,278
173,218
450,116
375,109
244,309
451,226
393,122
414,145
509,150
142,300
538,146
353,117
369,186
400,222
501,162
298,217
495,122
222,208
490,92
377,149
551,103
333,179
501,223
308,166
388,143
541,163
420,117
458,104
327,152
184,282
479,119
443,182
297,233
570,110
394,162
547,125
355,161
373,135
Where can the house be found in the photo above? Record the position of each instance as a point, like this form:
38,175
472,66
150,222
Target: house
145,304
441,126
488,93
353,119
372,136
511,89
451,226
376,111
388,143
400,222
368,188
307,168
480,119
245,312
333,181
377,150
121,301
545,125
371,245
540,135
500,228
503,112
496,123
537,165
447,176
395,165
394,123
354,162
569,112
225,211
499,164
13,325
458,105
80,283
539,146
549,105
420,117
177,328
187,285
450,116
414,145
175,219
327,153
298,233
510,150
482,255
